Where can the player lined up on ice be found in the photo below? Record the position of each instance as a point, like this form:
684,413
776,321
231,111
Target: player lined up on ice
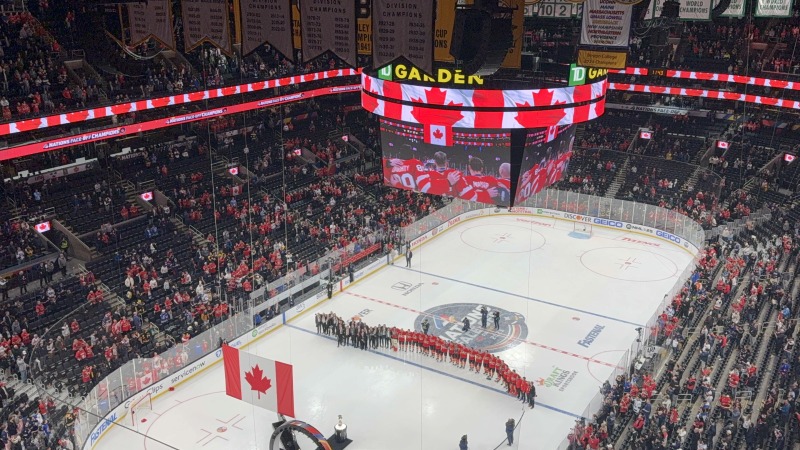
358,334
353,333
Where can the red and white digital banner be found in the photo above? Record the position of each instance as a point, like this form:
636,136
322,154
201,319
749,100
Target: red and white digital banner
161,102
483,98
706,93
127,130
483,108
722,77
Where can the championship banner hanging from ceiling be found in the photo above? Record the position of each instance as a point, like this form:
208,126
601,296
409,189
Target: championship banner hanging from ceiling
206,21
774,8
513,58
689,9
443,35
364,35
267,21
150,19
735,8
329,25
606,23
403,28
297,40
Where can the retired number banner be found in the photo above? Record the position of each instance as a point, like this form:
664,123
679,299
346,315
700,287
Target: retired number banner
774,8
606,23
403,28
267,21
206,21
151,19
329,25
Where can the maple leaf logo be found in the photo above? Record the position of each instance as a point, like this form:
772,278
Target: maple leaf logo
257,381
438,134
436,97
540,118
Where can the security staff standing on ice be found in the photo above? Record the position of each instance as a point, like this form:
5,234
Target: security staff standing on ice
496,319
425,326
484,316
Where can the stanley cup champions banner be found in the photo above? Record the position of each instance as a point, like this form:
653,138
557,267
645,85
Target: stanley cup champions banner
151,19
606,23
403,28
267,21
329,25
206,21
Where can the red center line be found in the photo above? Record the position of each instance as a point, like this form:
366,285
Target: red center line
535,344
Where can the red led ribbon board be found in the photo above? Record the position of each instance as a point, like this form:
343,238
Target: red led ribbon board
483,108
162,102
706,93
127,130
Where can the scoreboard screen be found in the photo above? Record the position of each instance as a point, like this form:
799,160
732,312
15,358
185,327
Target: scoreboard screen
545,159
461,163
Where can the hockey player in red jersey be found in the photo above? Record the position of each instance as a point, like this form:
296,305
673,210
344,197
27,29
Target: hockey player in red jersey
484,188
412,174
534,179
558,163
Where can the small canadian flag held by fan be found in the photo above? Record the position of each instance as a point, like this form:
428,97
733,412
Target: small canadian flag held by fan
439,135
259,381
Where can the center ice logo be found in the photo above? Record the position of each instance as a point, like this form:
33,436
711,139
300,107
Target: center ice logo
446,322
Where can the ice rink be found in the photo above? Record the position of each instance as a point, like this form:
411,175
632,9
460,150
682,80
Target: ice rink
570,308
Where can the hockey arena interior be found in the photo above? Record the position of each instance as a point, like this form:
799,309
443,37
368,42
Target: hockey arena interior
397,225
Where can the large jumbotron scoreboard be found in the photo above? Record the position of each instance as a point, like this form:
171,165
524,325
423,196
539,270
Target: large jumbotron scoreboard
449,133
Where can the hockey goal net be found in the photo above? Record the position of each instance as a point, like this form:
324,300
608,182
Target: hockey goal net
582,228
139,408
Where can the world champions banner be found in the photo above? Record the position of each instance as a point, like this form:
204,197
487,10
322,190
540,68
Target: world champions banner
206,21
403,28
267,21
329,25
151,19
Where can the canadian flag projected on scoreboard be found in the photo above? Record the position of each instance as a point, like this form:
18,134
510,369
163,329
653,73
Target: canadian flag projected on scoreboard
552,133
259,381
439,135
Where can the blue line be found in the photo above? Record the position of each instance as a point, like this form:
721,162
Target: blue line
531,299
500,391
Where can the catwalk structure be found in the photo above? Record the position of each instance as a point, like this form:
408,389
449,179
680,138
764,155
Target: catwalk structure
572,306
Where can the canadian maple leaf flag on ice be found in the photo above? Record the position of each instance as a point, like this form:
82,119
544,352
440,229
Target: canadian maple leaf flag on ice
259,381
439,135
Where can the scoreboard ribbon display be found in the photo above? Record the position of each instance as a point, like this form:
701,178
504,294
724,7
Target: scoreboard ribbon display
483,108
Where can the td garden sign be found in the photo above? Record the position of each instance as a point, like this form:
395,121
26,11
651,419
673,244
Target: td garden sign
403,72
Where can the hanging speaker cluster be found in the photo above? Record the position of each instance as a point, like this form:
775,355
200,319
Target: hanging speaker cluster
482,36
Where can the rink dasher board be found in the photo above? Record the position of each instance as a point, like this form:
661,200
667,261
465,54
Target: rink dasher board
157,389
615,225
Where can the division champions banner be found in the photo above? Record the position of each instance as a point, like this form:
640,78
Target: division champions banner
151,19
403,28
206,21
329,25
267,21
